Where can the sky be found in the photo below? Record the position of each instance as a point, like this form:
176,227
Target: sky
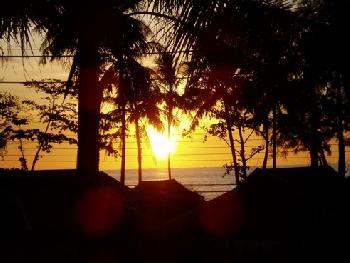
188,151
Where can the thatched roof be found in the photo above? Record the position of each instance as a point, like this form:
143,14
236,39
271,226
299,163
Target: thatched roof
163,201
279,203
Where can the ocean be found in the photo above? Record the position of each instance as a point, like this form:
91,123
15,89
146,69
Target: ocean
209,182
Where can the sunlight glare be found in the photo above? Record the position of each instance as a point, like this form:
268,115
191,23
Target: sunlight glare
160,144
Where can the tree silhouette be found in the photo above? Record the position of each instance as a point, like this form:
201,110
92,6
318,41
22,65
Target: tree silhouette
57,113
169,81
316,99
102,29
240,49
326,51
10,118
88,30
207,87
143,100
290,52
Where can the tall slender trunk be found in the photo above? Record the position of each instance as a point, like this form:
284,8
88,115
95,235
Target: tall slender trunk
242,153
266,137
341,151
323,159
170,116
232,144
89,101
274,137
123,140
313,149
36,156
314,142
340,99
122,107
22,159
139,149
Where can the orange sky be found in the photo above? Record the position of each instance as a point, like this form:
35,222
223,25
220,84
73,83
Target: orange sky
190,152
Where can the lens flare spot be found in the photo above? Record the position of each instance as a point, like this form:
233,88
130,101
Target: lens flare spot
99,211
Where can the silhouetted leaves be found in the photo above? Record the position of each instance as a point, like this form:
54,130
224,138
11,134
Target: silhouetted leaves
56,116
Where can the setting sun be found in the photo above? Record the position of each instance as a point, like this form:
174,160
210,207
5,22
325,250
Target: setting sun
160,145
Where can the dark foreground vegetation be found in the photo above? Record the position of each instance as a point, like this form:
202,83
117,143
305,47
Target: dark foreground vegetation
276,215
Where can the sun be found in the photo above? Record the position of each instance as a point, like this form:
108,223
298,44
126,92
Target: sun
160,144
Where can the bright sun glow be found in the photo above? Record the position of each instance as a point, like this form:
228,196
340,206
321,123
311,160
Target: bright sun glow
160,144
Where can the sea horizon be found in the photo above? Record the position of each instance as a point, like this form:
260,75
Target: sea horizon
210,182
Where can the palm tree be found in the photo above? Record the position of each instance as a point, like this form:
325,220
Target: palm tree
255,26
143,100
168,80
103,29
92,29
205,89
132,82
248,37
88,30
137,98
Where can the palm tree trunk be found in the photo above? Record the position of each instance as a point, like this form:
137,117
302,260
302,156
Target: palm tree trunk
123,140
274,137
139,149
170,116
313,153
232,144
266,156
314,143
340,129
244,161
89,101
341,152
323,158
233,152
169,138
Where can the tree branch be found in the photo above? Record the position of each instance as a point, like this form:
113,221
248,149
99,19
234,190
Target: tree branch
172,18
